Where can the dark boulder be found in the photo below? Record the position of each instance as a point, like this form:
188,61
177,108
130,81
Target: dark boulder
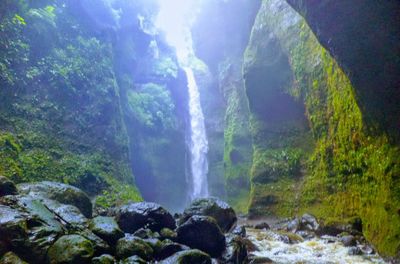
202,232
188,257
71,249
106,228
219,210
262,225
236,250
131,245
60,192
7,187
169,248
308,222
134,216
348,241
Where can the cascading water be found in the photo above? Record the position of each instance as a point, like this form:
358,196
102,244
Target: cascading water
198,140
173,20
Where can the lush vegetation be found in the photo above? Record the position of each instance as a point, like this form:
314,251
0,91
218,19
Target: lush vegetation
60,114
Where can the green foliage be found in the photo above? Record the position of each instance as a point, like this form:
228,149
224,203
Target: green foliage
118,195
152,107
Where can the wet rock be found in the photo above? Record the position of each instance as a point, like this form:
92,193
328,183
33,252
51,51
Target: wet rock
219,210
11,258
106,228
263,225
60,192
134,216
131,245
236,250
354,251
13,226
305,234
154,243
133,260
193,256
30,228
288,237
168,248
367,249
71,249
7,187
240,231
71,215
146,233
309,223
100,246
167,233
202,232
293,225
348,241
104,259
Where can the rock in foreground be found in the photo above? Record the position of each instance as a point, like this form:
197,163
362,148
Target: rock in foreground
219,210
203,233
133,216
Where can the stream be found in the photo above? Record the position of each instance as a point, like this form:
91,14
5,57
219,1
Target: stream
284,247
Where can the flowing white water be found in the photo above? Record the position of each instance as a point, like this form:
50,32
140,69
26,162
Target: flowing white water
198,140
312,251
174,20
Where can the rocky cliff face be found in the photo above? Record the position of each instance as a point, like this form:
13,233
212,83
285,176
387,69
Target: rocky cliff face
364,38
323,159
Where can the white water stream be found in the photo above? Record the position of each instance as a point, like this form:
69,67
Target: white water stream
312,251
198,141
174,20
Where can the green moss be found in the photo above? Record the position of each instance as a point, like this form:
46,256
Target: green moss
352,172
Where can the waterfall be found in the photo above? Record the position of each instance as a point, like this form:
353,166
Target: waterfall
174,20
198,143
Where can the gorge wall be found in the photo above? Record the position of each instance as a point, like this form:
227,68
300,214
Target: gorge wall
301,113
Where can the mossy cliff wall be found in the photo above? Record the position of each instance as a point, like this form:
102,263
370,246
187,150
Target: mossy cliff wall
320,155
61,112
229,23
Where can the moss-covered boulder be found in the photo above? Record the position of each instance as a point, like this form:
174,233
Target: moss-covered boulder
131,245
11,258
71,249
188,257
203,233
133,216
168,248
60,192
106,228
104,259
222,212
7,187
